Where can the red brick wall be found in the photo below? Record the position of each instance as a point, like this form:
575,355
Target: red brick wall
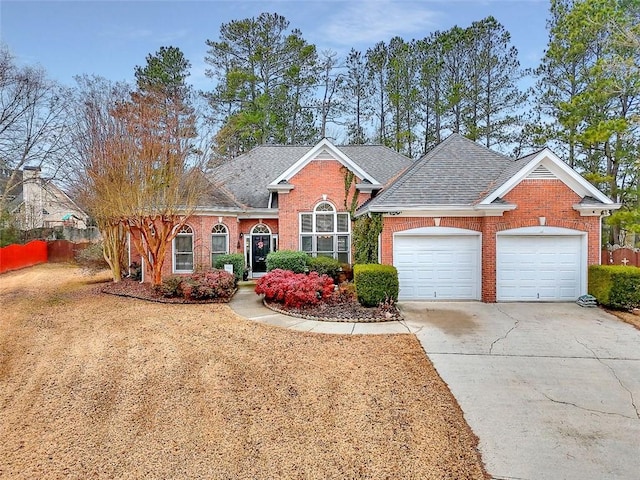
551,199
202,226
247,225
318,178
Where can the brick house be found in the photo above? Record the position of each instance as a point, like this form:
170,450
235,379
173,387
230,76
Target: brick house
283,198
461,223
466,223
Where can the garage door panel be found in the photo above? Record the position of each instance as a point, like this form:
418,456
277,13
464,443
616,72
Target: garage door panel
438,267
546,268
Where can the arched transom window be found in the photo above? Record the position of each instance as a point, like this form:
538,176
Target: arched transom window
260,229
219,242
183,250
326,232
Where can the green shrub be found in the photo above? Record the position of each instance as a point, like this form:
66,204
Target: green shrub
375,283
288,260
171,286
135,271
235,259
615,286
324,266
92,258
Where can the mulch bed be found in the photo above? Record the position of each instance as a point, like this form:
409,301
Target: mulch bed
144,291
336,310
632,318
340,311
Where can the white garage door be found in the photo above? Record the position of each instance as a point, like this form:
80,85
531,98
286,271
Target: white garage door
545,268
438,267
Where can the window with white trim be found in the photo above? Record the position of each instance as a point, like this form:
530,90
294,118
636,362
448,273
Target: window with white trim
219,242
325,232
183,250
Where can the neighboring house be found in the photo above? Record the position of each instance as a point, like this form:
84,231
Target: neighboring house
461,223
37,202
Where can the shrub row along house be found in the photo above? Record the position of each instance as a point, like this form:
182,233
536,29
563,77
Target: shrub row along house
461,223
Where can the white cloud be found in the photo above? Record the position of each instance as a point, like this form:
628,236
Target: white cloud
368,22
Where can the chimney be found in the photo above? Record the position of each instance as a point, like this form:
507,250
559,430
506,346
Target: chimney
32,197
29,173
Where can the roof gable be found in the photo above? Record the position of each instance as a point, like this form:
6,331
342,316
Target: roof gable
540,166
457,171
324,150
249,176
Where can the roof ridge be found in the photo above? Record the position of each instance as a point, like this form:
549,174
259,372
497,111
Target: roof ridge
532,154
481,146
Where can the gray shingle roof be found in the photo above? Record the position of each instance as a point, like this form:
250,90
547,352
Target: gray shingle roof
512,169
247,176
457,171
219,196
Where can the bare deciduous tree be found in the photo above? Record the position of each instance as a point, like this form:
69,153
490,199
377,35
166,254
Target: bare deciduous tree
164,181
33,124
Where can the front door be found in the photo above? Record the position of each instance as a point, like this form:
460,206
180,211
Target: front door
260,246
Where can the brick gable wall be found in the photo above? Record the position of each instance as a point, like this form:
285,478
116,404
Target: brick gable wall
318,178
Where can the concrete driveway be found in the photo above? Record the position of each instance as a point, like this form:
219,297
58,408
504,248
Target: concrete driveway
551,390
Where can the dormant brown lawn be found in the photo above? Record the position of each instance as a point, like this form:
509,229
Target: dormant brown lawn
97,386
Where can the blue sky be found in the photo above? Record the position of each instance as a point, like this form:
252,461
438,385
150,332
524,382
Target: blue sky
109,38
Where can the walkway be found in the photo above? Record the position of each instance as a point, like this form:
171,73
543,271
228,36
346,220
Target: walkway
249,305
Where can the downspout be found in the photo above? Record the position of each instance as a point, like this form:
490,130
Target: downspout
600,240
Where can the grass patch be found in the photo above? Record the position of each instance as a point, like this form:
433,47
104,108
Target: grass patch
100,386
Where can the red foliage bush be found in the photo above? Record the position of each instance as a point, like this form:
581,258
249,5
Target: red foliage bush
200,286
295,290
211,284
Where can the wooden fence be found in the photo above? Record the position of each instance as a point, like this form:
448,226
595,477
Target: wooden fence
14,257
60,251
620,256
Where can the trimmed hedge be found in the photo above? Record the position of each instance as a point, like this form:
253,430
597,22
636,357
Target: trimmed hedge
375,283
615,286
324,266
287,260
235,259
